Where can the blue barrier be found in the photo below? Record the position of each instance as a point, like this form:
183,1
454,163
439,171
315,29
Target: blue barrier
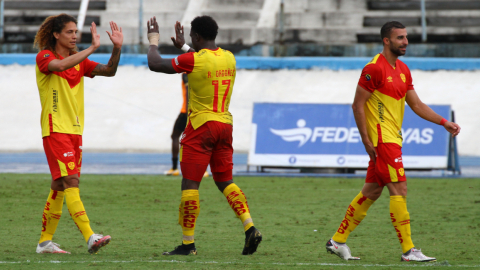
274,63
325,135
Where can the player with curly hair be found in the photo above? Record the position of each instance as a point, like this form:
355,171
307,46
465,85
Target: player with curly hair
60,70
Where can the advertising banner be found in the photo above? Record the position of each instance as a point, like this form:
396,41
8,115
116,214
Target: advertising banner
326,135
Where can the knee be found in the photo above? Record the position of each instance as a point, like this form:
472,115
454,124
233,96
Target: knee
374,194
71,181
223,185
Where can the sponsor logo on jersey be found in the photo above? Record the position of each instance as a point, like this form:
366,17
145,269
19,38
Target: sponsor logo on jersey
390,79
68,154
368,77
176,60
402,76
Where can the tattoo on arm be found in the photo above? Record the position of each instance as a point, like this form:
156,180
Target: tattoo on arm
110,69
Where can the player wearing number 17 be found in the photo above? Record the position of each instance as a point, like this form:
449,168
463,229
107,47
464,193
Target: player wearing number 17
207,138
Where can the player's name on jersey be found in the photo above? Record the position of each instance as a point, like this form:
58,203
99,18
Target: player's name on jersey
223,73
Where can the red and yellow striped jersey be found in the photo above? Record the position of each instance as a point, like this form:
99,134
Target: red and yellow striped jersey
61,95
385,107
211,76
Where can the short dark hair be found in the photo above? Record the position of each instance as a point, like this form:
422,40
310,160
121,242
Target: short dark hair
388,27
205,26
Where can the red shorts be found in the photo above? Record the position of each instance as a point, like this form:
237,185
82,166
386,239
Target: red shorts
211,144
389,165
64,154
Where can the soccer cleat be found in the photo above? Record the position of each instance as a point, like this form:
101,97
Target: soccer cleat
183,250
51,247
341,250
173,172
416,255
253,237
96,241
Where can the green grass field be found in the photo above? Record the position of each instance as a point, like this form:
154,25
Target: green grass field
296,216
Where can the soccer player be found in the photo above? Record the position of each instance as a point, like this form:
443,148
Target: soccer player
208,136
378,106
60,70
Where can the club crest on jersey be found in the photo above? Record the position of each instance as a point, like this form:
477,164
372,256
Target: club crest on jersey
46,55
71,165
390,79
77,67
368,77
401,171
402,76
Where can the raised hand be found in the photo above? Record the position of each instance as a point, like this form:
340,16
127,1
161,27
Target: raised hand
179,41
152,25
95,36
116,36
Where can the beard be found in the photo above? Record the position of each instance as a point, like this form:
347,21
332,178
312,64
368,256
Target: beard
397,51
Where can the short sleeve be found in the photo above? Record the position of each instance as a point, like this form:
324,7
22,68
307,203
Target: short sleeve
183,62
371,78
43,59
88,67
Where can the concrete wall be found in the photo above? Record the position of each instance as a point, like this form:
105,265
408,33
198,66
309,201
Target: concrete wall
135,110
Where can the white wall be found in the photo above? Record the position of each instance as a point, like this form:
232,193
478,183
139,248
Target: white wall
135,110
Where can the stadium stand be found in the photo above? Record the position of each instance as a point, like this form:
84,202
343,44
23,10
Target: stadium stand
249,22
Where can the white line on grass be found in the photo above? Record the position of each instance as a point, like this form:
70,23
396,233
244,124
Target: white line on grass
436,264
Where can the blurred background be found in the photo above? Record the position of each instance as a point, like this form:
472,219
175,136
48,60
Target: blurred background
129,118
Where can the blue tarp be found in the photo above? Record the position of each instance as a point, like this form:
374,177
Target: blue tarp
274,63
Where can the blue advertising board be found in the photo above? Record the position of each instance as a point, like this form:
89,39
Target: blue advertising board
326,135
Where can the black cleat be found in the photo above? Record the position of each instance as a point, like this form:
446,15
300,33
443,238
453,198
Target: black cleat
183,250
253,237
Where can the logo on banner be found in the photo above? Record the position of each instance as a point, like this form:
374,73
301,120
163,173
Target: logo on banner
292,160
341,160
301,134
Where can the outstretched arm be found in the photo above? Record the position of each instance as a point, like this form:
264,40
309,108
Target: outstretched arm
75,59
425,112
110,69
155,61
361,97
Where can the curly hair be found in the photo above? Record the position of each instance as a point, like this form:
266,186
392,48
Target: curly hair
45,40
205,26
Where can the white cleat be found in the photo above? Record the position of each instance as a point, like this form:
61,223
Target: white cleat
51,247
341,250
96,241
416,255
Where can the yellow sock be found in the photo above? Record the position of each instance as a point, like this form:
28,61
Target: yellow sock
356,212
188,213
51,215
77,211
401,221
238,202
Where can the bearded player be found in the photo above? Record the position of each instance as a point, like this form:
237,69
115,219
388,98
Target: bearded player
378,106
207,138
60,70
